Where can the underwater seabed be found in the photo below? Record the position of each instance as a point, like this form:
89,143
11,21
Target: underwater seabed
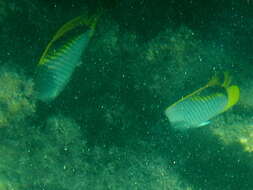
59,155
115,136
218,156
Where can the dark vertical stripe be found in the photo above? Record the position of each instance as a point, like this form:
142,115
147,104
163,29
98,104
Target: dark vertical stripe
197,112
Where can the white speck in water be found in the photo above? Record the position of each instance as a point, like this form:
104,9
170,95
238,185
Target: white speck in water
200,59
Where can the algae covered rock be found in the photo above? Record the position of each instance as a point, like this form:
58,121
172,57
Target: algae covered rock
17,100
233,128
58,157
177,59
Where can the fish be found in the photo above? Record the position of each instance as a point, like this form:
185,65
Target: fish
198,108
62,55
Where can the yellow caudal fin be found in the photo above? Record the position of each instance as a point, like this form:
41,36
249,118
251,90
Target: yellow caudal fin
233,93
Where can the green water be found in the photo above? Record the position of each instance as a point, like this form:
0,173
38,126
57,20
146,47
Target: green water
107,129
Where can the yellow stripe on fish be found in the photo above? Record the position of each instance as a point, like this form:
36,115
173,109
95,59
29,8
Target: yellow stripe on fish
62,55
197,108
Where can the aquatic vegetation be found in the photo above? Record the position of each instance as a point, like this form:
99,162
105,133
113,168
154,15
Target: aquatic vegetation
235,129
6,185
102,167
64,130
121,168
58,151
247,141
180,46
16,97
111,132
9,166
170,60
58,156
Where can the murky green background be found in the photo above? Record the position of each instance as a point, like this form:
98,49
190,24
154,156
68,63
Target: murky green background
107,129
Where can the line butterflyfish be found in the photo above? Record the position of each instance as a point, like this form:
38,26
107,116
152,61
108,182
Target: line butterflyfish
197,108
62,55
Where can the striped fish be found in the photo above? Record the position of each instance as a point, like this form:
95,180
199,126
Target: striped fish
196,109
62,55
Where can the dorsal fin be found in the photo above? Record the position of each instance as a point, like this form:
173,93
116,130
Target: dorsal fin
78,21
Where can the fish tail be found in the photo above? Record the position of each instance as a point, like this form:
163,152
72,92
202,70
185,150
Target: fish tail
215,81
227,80
233,94
218,80
232,91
